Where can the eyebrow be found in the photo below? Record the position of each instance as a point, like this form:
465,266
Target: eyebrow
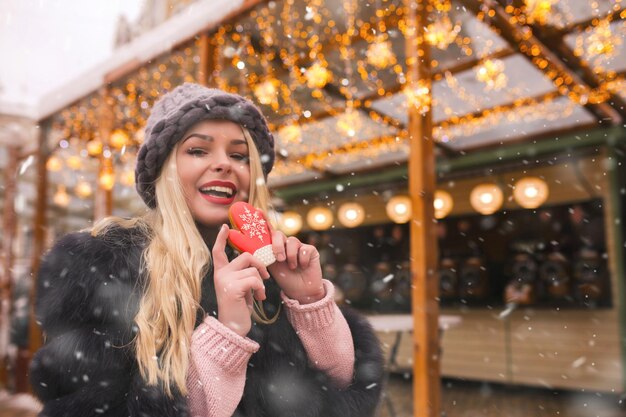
210,139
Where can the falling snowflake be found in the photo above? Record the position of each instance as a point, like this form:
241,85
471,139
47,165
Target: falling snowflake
254,224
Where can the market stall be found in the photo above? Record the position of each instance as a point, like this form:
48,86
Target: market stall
387,108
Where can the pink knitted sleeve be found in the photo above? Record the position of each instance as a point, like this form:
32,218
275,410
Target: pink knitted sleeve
325,335
217,369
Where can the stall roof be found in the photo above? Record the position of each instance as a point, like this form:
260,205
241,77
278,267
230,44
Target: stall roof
198,17
330,76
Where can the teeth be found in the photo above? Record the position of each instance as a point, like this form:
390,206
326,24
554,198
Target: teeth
226,190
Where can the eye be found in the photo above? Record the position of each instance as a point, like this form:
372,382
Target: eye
240,157
196,152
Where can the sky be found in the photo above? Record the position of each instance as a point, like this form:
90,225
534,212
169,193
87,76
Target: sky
46,43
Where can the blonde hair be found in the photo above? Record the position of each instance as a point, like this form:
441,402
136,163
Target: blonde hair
175,260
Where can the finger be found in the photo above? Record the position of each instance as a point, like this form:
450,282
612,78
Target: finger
293,246
255,284
219,255
278,245
270,225
305,255
250,301
242,283
246,260
246,273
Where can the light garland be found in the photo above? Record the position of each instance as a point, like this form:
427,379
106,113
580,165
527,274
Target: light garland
317,75
442,32
491,73
380,54
538,11
130,100
279,56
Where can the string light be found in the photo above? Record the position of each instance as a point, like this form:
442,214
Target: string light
349,122
538,11
119,139
351,214
94,147
290,223
380,54
319,218
317,75
128,178
399,209
290,134
54,164
486,198
308,38
83,189
74,162
266,91
442,32
602,40
491,73
419,97
61,197
442,203
530,192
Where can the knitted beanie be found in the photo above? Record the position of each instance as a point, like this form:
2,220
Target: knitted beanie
180,109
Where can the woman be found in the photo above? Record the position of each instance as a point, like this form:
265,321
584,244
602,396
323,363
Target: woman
152,316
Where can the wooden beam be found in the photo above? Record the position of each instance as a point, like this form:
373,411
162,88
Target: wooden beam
499,158
308,159
540,98
422,184
530,46
581,26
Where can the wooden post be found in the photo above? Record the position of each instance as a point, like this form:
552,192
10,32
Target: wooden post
6,279
205,57
103,199
39,233
425,285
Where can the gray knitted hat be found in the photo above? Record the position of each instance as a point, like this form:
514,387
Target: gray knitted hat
180,109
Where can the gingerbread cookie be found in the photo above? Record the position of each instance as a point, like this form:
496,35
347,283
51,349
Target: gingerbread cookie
252,232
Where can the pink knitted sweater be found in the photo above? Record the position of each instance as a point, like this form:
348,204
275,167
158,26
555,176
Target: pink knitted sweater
219,356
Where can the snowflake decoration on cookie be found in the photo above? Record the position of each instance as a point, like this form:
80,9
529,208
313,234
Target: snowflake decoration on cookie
254,224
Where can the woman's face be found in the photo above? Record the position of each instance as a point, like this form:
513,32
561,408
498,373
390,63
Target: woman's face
213,168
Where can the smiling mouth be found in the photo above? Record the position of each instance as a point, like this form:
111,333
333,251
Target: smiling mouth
218,191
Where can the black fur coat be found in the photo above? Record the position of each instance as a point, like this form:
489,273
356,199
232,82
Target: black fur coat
88,293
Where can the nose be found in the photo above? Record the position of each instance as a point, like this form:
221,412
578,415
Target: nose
221,163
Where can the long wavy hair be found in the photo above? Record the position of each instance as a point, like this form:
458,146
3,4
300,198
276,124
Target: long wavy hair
174,262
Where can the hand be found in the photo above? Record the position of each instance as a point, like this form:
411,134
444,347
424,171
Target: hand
234,283
297,269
